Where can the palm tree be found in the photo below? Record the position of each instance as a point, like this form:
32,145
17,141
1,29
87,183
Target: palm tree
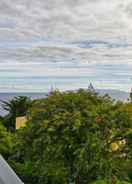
18,106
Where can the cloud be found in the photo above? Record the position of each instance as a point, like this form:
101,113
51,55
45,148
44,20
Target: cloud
64,37
69,19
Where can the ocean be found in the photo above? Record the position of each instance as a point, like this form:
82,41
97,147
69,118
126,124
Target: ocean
115,94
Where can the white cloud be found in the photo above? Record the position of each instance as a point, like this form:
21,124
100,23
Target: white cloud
62,37
66,19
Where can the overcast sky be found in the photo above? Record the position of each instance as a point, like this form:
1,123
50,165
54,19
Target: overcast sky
65,44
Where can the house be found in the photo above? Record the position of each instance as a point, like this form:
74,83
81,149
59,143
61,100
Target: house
7,175
21,121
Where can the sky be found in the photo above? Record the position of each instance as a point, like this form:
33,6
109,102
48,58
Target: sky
65,44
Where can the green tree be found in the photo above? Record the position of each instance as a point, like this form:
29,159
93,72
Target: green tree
18,106
6,141
71,134
130,95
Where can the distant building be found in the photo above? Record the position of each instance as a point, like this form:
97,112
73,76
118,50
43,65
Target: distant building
7,175
21,122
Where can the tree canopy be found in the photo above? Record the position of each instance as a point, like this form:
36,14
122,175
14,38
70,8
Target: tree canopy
6,141
18,106
75,134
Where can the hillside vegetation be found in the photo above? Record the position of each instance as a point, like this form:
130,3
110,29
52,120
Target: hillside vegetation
72,137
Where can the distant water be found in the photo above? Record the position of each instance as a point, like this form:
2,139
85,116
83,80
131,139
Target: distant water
115,94
65,44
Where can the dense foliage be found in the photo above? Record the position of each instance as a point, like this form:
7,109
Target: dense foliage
75,136
17,106
6,141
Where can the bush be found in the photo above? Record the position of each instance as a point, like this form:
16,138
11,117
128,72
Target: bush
69,135
105,182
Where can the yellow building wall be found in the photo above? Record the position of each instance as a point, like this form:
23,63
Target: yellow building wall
21,122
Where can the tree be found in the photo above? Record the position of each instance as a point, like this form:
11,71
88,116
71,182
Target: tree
131,96
6,141
18,106
71,135
91,88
